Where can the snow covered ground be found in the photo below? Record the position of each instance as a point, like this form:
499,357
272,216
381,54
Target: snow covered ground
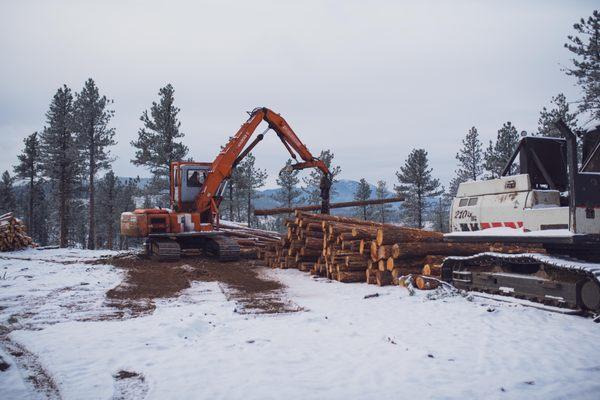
341,346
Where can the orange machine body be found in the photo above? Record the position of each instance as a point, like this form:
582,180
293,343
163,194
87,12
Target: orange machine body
195,188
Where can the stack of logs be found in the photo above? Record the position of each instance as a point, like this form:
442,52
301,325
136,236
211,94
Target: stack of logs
352,250
13,235
253,242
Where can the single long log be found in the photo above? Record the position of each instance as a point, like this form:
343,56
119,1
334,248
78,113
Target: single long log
285,210
401,235
447,249
343,220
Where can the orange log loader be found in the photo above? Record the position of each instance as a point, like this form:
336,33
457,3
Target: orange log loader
196,189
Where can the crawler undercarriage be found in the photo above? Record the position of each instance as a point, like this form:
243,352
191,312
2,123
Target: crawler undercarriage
558,278
170,247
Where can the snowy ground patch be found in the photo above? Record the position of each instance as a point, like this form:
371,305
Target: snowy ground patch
341,345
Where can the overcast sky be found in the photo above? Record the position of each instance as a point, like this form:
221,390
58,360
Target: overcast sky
368,80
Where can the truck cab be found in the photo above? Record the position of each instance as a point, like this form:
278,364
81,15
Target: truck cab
542,187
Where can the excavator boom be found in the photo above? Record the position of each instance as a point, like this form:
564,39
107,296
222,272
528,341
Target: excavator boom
234,152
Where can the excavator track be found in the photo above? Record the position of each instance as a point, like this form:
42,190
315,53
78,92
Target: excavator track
559,281
164,250
223,247
172,247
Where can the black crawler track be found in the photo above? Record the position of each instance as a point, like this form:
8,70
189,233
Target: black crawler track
165,247
553,280
223,247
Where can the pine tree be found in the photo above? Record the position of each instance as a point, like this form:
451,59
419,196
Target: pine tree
363,193
157,144
231,202
29,169
585,46
498,154
78,229
416,184
312,183
382,211
41,231
252,178
8,202
560,110
147,202
91,117
287,180
440,213
108,216
470,160
60,157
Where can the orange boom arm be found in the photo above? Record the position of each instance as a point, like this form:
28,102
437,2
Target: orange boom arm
234,152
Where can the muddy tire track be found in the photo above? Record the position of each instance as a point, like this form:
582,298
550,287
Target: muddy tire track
240,281
38,378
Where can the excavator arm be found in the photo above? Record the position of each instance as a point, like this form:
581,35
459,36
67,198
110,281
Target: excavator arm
236,150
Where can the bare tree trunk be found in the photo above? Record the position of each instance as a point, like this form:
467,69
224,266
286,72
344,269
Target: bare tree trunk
62,213
111,222
110,234
92,212
419,212
30,211
325,186
249,198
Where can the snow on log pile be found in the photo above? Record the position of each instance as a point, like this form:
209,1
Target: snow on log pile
352,250
13,235
253,242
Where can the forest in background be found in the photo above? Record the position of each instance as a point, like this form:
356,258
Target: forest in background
64,189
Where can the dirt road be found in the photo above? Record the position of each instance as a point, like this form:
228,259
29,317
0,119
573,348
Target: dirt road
147,280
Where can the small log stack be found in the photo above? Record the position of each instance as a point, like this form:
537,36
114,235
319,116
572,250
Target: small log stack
253,242
13,235
351,250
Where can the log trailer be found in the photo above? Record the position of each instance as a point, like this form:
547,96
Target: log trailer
196,188
554,202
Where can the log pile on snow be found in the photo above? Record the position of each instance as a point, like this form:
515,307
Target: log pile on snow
352,250
253,242
13,235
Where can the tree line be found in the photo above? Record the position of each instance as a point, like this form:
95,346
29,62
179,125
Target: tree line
428,203
69,195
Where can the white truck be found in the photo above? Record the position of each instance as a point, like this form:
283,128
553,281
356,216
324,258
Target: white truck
547,199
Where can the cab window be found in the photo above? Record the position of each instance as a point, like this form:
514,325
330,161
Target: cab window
463,202
473,201
194,178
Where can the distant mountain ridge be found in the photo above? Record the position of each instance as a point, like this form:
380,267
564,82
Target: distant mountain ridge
343,190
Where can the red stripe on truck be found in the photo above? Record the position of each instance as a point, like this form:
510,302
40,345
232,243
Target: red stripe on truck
514,225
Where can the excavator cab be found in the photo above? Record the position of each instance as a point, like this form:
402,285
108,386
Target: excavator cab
187,179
